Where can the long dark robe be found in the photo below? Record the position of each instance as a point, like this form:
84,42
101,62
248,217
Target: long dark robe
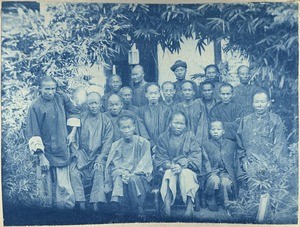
197,118
47,119
155,119
230,114
222,152
178,95
140,128
188,151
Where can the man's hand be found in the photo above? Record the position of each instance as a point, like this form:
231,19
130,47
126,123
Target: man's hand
126,176
246,165
176,169
71,138
44,163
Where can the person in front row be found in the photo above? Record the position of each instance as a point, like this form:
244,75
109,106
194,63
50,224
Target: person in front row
95,139
179,157
221,185
129,167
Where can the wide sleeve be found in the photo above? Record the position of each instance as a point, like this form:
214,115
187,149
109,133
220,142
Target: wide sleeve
108,132
33,133
140,128
161,154
145,165
73,113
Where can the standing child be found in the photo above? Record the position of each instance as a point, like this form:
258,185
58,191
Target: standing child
221,184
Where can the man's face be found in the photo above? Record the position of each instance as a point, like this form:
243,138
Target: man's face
178,124
216,130
137,75
244,75
187,91
168,91
180,73
115,83
261,103
226,94
207,91
127,128
93,103
211,73
114,105
48,90
152,94
126,96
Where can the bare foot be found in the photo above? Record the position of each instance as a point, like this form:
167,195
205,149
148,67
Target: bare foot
168,211
82,206
95,207
188,213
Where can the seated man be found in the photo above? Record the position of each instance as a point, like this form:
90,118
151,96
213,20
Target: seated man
194,110
95,139
260,137
115,110
154,115
221,153
126,94
228,112
168,91
129,166
179,157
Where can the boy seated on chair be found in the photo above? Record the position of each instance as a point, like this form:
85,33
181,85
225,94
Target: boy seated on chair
221,184
179,158
129,167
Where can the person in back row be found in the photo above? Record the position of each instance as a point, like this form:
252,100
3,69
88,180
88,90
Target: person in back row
127,95
207,96
129,168
168,91
139,85
155,116
228,112
195,112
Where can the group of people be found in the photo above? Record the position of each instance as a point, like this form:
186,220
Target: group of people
193,139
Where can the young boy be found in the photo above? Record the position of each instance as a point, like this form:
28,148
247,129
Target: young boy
194,110
129,166
221,183
168,91
95,139
47,134
179,157
260,135
114,84
155,116
126,94
227,111
115,110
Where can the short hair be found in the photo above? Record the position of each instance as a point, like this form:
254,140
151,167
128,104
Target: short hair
48,79
114,75
168,82
124,88
190,82
94,93
217,121
112,95
212,66
242,66
151,84
226,85
206,82
125,117
179,112
139,67
261,92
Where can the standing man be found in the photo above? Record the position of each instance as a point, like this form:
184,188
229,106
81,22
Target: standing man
139,84
212,74
127,95
168,91
95,139
207,95
47,134
244,92
179,68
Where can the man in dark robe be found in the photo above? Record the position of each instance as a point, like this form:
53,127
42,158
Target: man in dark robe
227,111
207,96
95,139
154,115
139,84
195,112
47,134
243,93
129,167
179,157
115,110
221,184
127,95
114,85
260,136
168,91
180,68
